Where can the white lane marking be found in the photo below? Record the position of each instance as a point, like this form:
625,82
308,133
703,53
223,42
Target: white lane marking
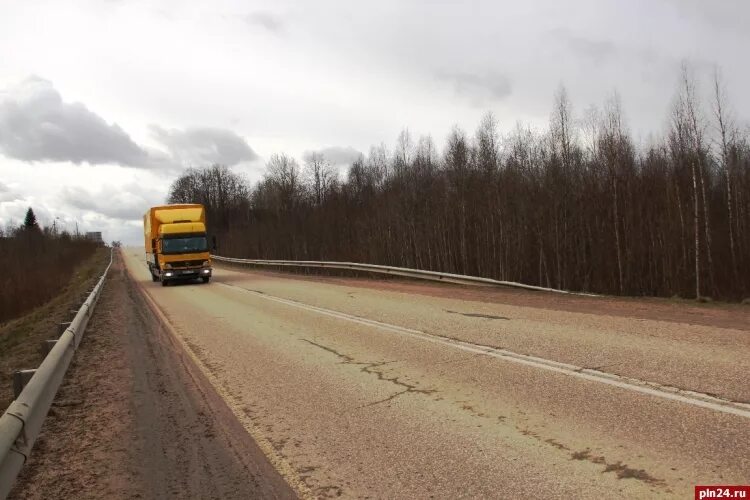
632,384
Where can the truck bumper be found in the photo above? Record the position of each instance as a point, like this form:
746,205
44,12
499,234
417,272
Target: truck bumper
186,274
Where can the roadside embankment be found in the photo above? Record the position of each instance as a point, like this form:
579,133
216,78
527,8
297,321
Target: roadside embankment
21,338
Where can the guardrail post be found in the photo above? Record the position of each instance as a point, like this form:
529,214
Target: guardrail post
20,379
47,346
61,327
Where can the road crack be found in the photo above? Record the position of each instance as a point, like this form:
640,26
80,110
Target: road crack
346,359
622,471
476,315
372,369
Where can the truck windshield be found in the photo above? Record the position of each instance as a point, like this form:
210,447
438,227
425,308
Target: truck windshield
190,244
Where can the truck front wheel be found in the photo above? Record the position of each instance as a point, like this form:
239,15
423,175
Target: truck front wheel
164,282
154,277
205,279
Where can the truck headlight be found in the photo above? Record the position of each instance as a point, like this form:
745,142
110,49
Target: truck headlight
167,274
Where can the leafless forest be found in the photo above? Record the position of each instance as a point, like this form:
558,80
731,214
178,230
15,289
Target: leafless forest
38,265
577,206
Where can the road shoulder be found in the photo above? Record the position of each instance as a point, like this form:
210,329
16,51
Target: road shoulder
132,419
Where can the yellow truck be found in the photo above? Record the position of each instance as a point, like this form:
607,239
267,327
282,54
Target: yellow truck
176,243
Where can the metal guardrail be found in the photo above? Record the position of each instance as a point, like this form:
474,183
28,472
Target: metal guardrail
396,271
22,421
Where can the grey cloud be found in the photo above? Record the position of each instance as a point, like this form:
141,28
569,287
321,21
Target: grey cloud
267,20
36,125
126,202
203,146
597,51
337,155
479,88
7,194
729,14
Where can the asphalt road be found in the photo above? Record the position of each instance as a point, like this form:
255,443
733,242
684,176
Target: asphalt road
359,388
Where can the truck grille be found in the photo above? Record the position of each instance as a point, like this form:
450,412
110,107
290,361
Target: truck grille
187,263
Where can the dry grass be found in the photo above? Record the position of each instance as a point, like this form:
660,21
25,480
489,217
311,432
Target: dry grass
36,267
20,339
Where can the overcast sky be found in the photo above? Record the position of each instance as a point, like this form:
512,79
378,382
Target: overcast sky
103,102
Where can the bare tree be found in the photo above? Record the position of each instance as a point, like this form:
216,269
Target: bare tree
377,163
684,147
320,174
426,154
561,126
487,140
283,173
613,144
697,126
403,154
561,135
727,133
590,126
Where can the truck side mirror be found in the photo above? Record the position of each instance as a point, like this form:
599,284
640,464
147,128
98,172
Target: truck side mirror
214,246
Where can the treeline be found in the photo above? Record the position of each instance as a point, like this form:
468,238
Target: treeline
37,264
576,207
